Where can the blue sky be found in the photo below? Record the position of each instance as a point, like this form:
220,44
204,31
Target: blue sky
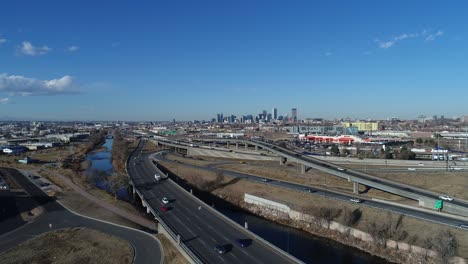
158,60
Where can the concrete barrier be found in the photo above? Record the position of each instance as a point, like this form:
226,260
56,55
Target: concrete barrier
300,216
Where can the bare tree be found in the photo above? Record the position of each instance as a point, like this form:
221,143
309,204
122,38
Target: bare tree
351,218
445,243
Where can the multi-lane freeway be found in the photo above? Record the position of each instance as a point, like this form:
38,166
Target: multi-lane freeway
199,228
437,218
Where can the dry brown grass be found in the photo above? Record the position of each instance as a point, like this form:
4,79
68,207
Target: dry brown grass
77,245
314,178
82,205
452,183
418,230
171,254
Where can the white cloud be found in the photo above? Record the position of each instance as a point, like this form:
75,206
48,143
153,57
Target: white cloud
73,48
4,100
432,37
328,54
423,34
27,48
24,86
2,40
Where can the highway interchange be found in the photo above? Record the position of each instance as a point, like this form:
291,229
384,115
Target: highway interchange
446,220
330,168
147,249
200,229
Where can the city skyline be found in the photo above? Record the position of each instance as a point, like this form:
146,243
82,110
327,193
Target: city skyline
159,61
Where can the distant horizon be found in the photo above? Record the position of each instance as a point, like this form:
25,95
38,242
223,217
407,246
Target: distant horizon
162,60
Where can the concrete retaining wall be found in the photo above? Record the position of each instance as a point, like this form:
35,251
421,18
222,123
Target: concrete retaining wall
300,216
252,199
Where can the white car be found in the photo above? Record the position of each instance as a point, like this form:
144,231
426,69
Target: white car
411,169
446,198
355,200
165,200
341,169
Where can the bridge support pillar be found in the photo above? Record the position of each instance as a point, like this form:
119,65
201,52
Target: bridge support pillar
246,146
147,210
246,225
356,187
237,145
256,147
303,168
227,144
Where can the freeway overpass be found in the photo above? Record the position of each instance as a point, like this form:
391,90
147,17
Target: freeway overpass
424,197
195,227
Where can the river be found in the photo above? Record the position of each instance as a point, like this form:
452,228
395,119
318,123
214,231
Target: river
301,244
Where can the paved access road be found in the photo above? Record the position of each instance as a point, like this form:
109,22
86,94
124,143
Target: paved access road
333,195
147,247
200,229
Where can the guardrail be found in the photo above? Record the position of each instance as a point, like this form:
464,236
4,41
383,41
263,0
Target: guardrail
189,250
230,221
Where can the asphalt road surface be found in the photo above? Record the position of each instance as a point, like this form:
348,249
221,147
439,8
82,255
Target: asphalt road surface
327,166
333,195
147,248
200,228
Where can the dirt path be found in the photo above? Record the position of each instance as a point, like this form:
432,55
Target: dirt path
118,211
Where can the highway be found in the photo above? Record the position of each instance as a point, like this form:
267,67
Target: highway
330,168
332,195
147,248
200,229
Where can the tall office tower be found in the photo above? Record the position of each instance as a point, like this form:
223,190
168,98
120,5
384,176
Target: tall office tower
274,111
294,114
220,118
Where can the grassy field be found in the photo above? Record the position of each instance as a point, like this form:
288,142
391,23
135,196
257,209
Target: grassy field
418,230
171,254
77,245
452,183
290,172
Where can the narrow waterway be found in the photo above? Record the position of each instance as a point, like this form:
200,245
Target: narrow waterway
101,168
101,159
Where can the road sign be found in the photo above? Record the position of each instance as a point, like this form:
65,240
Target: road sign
438,204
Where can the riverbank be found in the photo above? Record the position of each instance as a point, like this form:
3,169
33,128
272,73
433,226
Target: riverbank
232,190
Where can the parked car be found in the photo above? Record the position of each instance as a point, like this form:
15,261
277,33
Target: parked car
43,184
341,169
411,169
265,180
355,200
220,249
165,200
309,190
164,208
446,198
